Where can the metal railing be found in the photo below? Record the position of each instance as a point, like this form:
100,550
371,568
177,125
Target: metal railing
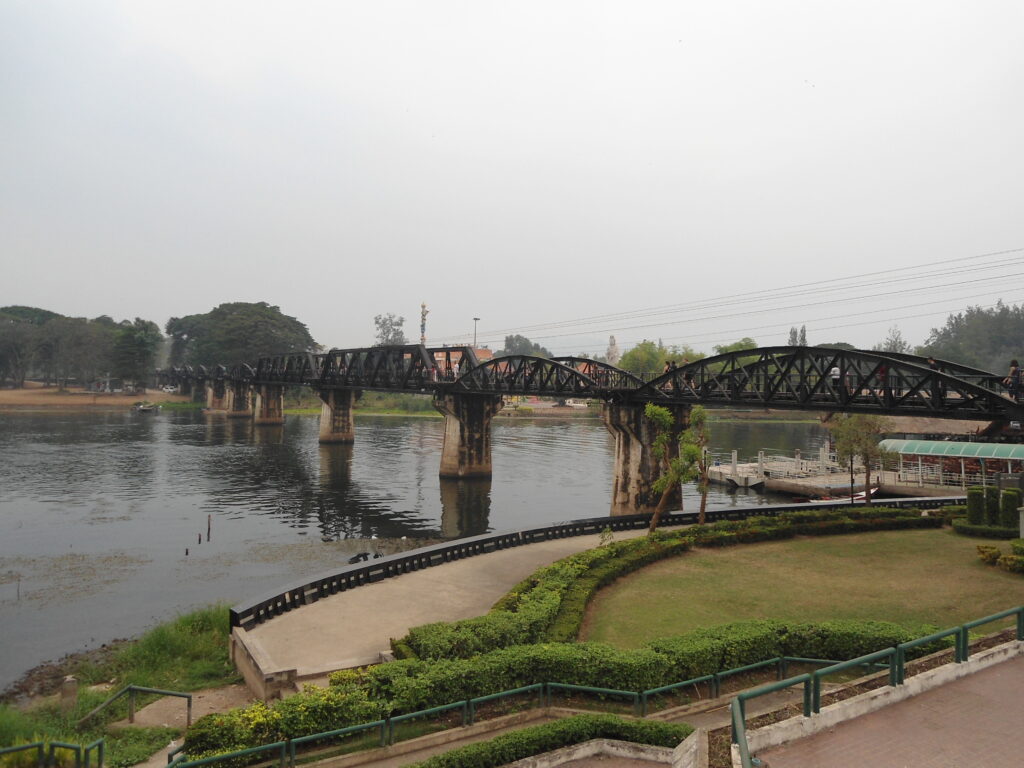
258,610
131,691
46,752
895,657
468,710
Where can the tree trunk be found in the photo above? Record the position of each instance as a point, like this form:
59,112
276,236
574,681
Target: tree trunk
658,510
867,483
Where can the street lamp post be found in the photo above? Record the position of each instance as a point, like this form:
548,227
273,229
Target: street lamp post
475,321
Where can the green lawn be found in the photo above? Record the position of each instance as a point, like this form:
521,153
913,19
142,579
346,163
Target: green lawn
908,577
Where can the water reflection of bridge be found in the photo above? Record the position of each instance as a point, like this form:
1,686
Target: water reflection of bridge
469,393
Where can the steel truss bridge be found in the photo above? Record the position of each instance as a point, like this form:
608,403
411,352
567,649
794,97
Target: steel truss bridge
797,378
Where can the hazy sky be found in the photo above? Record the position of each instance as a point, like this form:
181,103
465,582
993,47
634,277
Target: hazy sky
528,163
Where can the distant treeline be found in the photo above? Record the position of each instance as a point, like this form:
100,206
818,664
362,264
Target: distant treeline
38,343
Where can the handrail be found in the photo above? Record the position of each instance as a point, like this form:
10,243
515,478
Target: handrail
818,674
39,746
131,690
739,733
897,670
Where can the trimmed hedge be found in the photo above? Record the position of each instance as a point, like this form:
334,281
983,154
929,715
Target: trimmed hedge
992,505
356,697
965,528
951,511
1009,501
549,606
539,739
976,505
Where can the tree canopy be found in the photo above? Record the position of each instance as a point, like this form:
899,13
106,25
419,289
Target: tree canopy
737,346
982,338
650,357
234,333
857,436
389,330
520,345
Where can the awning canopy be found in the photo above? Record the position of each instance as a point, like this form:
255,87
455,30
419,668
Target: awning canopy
950,448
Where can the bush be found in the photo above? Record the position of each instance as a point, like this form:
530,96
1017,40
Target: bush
947,513
547,606
1012,563
992,505
1009,502
847,639
976,505
984,531
712,649
989,554
550,736
1017,545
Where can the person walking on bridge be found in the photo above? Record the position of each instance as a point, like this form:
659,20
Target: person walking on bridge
1012,380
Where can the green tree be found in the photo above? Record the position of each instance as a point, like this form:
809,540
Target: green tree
33,315
17,342
737,346
894,342
135,347
650,357
234,333
688,463
983,338
520,345
389,329
857,436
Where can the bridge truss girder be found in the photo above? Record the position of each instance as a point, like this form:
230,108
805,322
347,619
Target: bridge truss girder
802,378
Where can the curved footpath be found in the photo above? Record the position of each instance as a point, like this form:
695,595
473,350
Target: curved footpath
353,628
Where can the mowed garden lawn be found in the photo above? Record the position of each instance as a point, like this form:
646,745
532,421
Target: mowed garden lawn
907,577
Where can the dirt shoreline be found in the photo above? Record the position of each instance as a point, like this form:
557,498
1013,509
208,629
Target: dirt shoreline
35,396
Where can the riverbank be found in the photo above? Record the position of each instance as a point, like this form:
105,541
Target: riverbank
35,396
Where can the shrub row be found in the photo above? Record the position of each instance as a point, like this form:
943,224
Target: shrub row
356,697
545,738
966,528
550,604
527,613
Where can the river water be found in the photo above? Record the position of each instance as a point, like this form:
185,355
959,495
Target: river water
104,515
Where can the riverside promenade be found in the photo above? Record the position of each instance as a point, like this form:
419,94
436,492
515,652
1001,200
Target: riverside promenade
353,628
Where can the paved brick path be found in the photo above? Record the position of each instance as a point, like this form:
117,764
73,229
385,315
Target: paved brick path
974,722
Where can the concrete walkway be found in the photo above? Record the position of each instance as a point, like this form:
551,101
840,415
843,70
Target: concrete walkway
352,628
969,723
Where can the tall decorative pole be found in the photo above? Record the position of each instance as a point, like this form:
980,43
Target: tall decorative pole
423,323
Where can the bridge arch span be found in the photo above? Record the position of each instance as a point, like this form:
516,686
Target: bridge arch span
850,381
527,375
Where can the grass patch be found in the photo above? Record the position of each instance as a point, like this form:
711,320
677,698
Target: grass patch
907,577
186,654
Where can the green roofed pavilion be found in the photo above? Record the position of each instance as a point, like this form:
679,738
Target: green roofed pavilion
954,449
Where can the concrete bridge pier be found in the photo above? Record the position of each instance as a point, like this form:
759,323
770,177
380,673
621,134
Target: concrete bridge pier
636,468
467,433
269,404
239,400
216,396
337,424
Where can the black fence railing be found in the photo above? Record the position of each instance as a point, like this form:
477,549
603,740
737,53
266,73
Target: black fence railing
259,610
